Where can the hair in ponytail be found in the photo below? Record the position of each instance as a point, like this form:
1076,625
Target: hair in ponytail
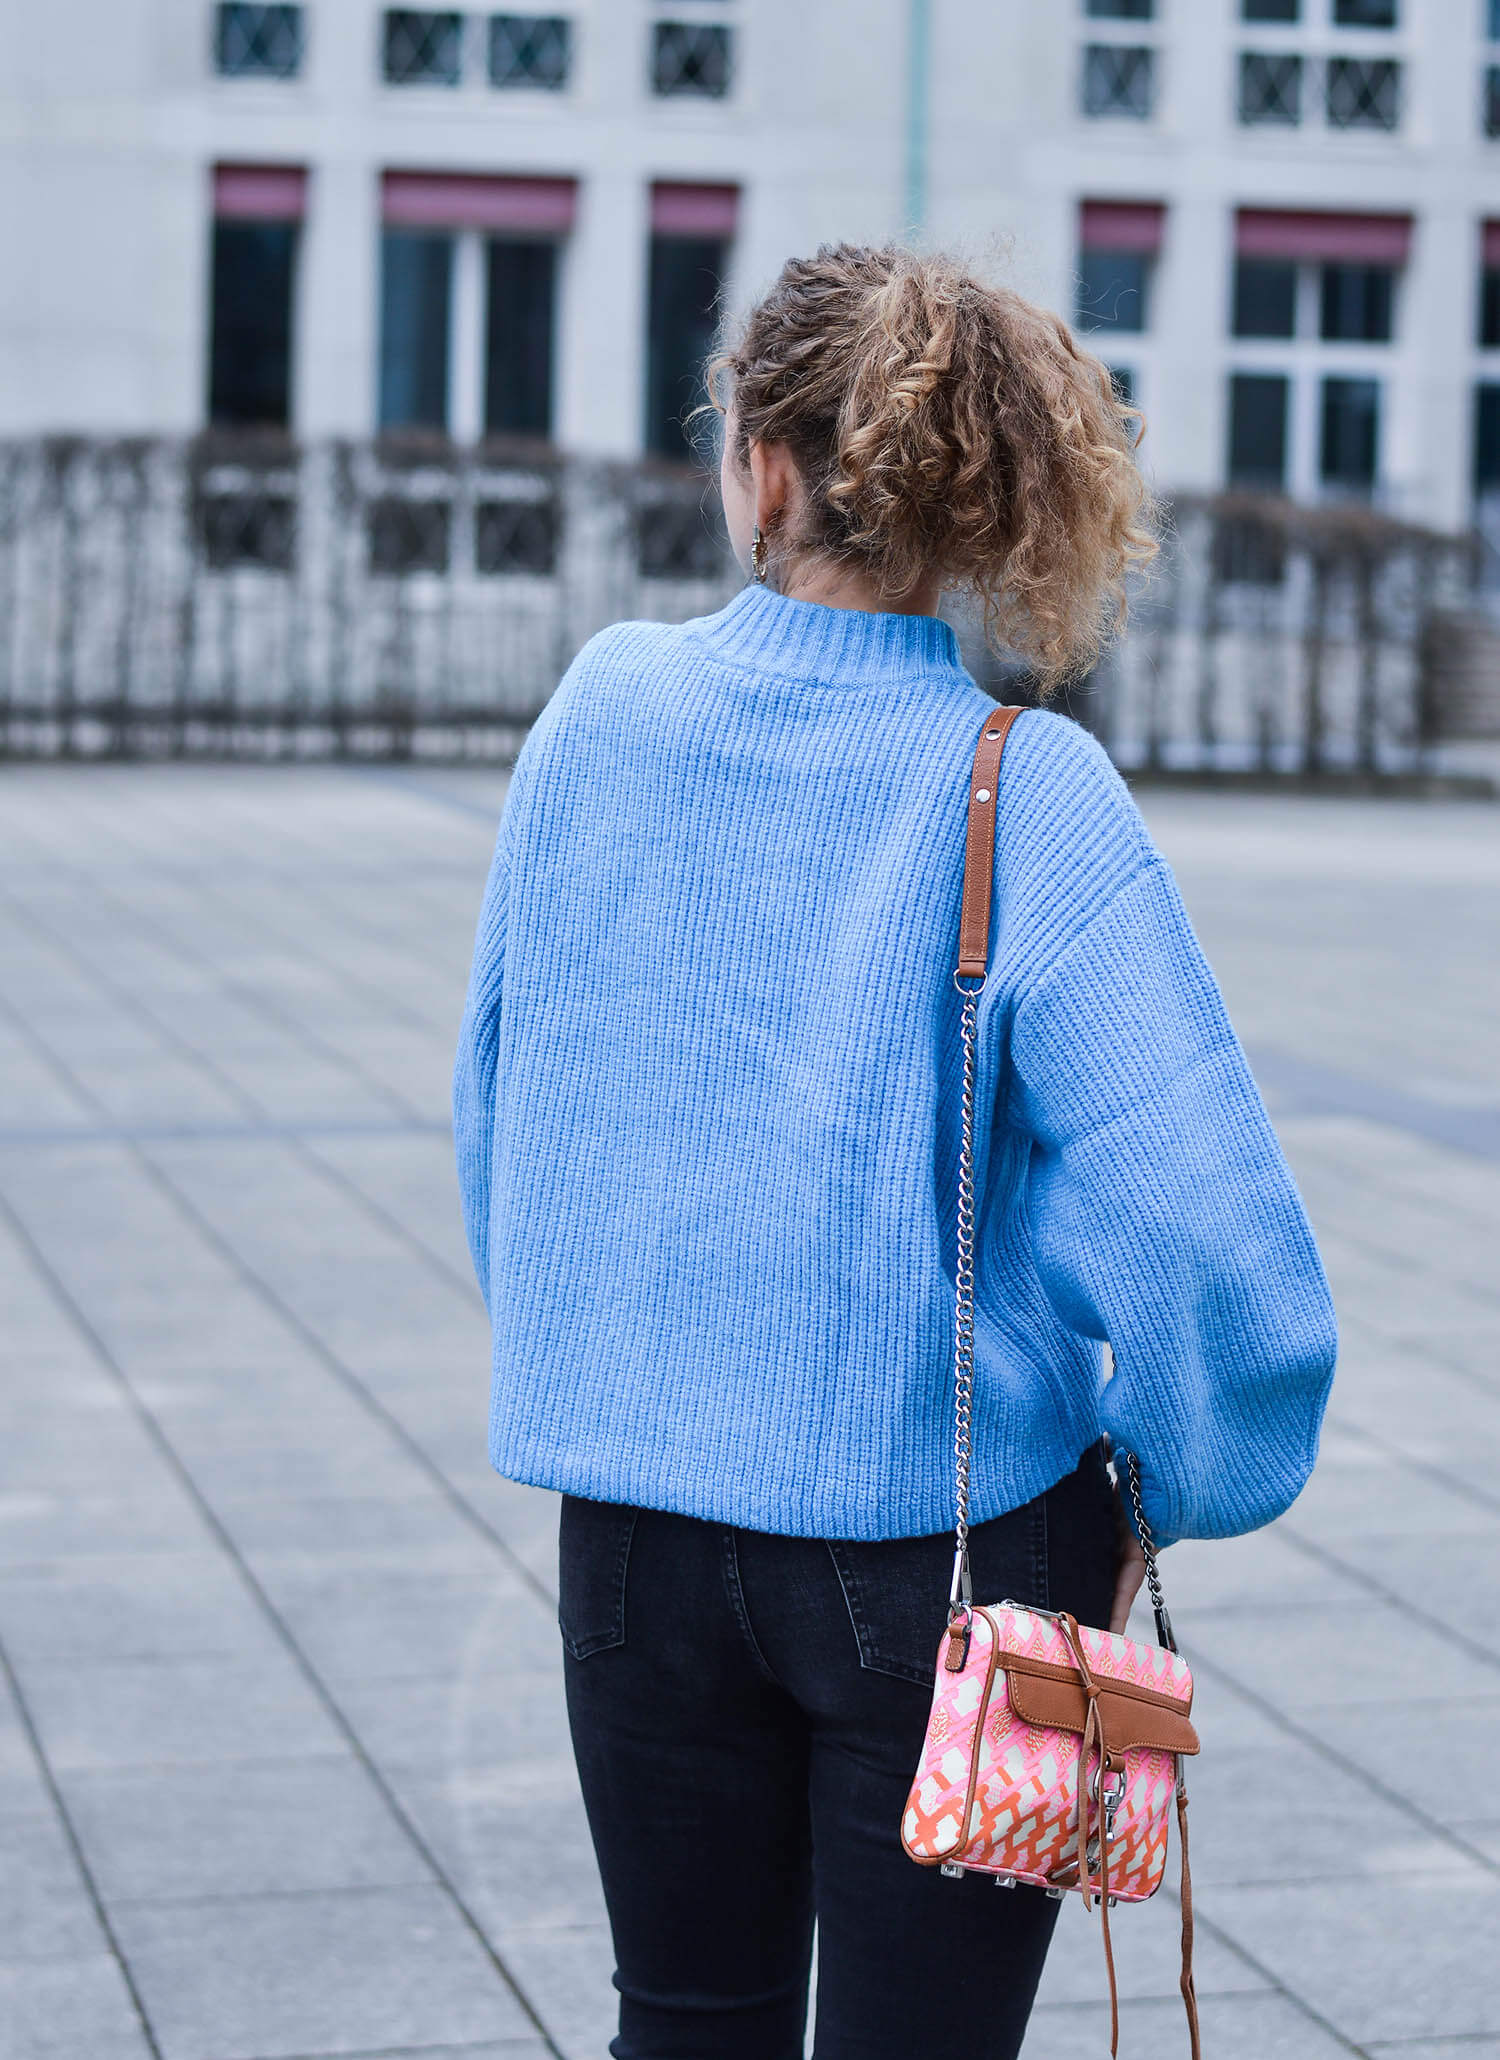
941,424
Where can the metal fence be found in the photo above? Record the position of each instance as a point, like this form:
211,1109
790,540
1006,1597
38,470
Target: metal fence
171,598
249,599
1272,639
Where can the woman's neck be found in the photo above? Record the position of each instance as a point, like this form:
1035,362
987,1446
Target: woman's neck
841,586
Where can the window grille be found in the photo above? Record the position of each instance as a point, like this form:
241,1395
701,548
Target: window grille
1492,100
1118,79
691,58
422,49
1270,89
675,540
1249,553
516,536
1364,14
247,529
258,42
408,536
530,50
1363,93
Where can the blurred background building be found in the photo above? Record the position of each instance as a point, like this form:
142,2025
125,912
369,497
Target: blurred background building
338,218
508,233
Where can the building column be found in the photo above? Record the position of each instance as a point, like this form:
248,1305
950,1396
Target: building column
601,367
466,339
1426,458
336,309
1185,404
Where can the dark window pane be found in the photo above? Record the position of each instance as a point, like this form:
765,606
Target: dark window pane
1257,430
1492,100
1356,303
1248,553
1118,80
1265,297
1351,432
691,57
529,50
686,273
251,348
1363,93
248,529
1494,21
1120,10
414,293
678,540
408,536
258,42
1270,88
1122,379
1270,10
1487,439
1112,290
1489,307
518,347
1365,14
515,536
421,48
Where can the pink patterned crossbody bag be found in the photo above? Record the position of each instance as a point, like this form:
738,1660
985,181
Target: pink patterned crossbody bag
1053,1752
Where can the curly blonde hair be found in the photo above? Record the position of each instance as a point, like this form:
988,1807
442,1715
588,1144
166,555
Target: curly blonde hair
939,424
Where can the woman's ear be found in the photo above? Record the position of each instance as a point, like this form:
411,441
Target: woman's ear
776,488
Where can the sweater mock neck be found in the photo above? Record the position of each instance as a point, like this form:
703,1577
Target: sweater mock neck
767,632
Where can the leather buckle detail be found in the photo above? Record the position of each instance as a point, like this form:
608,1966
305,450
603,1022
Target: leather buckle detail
1131,1716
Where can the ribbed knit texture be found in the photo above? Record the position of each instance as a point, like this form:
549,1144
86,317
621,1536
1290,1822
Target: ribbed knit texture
706,1107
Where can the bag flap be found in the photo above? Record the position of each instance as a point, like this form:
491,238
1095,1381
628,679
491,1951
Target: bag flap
1132,1716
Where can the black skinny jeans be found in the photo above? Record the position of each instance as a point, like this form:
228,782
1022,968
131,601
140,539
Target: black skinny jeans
747,1712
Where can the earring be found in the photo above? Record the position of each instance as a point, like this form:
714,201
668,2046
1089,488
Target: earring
758,554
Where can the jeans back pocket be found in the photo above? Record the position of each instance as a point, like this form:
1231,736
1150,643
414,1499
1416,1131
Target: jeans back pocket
593,1555
896,1589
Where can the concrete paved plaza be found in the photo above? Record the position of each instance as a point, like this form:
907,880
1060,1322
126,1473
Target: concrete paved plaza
282,1761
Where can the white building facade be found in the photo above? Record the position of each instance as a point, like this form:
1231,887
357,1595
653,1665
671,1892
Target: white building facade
1280,218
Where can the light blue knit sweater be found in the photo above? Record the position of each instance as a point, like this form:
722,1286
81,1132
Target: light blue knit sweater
706,1095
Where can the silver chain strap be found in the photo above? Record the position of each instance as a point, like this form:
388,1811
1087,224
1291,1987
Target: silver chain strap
1148,1547
960,1596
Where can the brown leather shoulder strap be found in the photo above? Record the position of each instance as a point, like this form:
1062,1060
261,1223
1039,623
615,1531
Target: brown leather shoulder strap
979,849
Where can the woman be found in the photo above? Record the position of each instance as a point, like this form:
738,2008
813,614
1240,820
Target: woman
705,1106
